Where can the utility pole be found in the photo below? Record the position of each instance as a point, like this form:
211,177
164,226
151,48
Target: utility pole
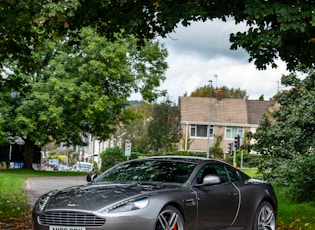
209,123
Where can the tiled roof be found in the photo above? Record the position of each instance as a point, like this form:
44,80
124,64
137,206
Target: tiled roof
234,111
256,109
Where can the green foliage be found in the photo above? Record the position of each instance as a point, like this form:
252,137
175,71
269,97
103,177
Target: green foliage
73,158
252,172
87,86
286,140
293,215
252,160
274,28
186,141
249,160
53,154
299,176
225,92
31,33
185,153
111,156
216,151
303,180
164,130
77,87
277,28
136,130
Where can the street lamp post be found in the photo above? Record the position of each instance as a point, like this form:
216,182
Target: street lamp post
209,123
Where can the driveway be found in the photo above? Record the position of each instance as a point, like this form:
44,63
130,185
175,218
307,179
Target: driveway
37,186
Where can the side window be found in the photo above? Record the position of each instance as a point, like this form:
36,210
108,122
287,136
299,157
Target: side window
222,173
213,169
225,173
232,174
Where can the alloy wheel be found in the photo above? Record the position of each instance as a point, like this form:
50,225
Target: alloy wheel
169,219
266,218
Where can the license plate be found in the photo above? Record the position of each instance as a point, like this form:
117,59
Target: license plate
65,228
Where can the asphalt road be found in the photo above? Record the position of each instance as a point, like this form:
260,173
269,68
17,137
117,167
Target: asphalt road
37,186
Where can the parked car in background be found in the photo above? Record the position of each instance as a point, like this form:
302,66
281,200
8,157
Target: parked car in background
61,167
84,167
161,193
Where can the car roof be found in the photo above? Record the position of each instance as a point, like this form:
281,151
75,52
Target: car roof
193,159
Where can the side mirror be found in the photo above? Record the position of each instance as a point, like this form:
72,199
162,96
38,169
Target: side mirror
209,180
91,177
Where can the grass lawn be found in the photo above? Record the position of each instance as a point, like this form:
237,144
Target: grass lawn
14,207
296,216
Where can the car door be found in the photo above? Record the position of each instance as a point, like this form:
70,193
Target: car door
218,203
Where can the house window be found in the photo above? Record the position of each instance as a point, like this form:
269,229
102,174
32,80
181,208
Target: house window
200,131
232,132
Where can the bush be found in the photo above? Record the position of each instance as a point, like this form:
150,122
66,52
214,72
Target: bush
186,153
249,160
298,176
303,178
112,156
253,160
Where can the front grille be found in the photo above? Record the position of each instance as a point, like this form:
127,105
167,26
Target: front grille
72,219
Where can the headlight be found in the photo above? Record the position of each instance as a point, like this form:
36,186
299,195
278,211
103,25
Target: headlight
42,201
129,205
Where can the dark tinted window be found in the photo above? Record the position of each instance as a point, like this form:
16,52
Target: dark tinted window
149,170
225,174
233,174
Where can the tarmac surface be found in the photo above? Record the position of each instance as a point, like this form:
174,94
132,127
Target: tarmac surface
37,186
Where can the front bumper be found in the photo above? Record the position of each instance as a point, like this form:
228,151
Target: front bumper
140,220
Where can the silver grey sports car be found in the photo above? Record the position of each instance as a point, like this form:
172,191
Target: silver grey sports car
161,193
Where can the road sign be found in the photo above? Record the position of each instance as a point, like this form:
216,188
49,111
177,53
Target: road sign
127,148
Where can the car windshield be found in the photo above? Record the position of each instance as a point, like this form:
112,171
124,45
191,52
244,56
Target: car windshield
149,170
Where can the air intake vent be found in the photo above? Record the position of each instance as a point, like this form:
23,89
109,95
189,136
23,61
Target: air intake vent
72,219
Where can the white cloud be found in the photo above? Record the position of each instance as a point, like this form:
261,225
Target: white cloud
202,50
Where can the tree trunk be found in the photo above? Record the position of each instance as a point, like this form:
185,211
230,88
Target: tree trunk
29,153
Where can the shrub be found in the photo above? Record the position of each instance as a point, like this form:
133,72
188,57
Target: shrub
249,160
186,153
303,178
298,176
111,156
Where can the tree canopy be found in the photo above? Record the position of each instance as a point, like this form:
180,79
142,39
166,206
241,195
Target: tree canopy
224,92
82,88
290,129
36,67
164,130
156,129
275,29
136,131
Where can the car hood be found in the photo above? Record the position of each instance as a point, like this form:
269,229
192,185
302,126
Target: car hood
97,196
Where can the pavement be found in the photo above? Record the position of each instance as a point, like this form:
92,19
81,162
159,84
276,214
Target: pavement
37,186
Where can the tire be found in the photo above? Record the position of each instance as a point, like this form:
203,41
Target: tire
265,217
169,218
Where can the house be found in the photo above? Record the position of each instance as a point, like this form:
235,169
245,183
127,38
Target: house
228,117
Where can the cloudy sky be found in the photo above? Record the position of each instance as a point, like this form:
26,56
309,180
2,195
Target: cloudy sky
201,52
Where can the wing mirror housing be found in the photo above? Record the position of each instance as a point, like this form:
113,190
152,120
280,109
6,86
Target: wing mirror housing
209,180
91,177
